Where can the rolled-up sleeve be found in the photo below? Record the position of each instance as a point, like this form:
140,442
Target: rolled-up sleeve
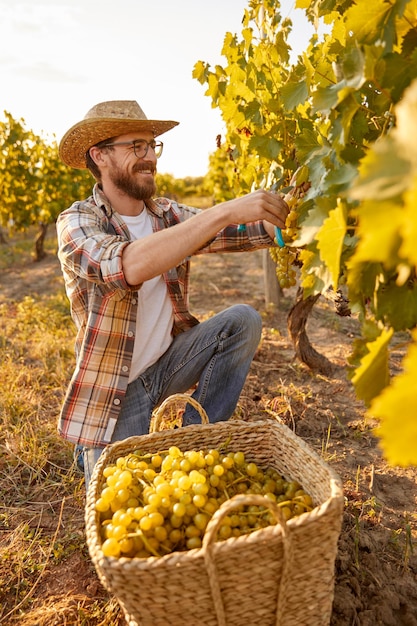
232,239
87,250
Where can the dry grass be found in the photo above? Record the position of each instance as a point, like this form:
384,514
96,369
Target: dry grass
42,493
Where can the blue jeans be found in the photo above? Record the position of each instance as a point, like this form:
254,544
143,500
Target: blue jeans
216,355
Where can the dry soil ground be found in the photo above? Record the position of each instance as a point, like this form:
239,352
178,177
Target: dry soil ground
376,565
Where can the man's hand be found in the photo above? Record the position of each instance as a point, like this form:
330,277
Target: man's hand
259,205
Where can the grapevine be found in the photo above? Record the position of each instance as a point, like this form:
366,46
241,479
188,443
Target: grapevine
154,504
341,108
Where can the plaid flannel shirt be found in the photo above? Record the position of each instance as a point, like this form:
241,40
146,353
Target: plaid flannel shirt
91,240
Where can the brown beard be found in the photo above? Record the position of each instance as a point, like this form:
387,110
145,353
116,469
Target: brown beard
127,183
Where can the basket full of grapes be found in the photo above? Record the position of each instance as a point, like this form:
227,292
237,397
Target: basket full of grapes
216,525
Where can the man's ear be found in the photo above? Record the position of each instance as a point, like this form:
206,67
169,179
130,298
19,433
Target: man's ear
96,155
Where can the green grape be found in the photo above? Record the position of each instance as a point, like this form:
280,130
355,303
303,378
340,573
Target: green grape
199,501
191,509
164,489
251,469
102,505
192,531
239,458
227,462
185,465
111,547
209,459
175,535
145,523
225,531
161,533
193,543
201,488
185,482
201,520
149,474
179,509
234,520
109,471
214,480
126,545
117,532
156,460
176,520
186,498
211,506
156,518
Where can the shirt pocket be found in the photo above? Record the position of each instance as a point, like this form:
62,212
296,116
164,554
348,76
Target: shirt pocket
103,292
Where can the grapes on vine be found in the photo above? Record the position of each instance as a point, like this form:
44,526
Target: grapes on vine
154,504
285,257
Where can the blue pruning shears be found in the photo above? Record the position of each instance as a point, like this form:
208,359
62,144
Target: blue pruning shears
279,237
278,234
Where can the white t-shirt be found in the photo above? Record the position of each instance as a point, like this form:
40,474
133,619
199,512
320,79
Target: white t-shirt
155,316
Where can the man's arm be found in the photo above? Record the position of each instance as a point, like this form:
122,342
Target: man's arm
153,255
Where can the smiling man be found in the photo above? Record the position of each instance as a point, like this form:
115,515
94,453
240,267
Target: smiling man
125,260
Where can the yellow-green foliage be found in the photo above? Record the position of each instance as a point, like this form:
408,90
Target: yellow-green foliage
383,269
334,112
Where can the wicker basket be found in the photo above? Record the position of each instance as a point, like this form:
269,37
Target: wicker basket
279,575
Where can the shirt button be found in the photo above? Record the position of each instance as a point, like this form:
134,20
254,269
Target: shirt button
125,368
130,333
134,300
116,401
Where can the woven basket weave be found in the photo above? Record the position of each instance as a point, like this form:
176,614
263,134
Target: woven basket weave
279,575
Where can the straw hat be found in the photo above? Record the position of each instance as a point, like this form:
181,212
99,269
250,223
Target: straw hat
103,121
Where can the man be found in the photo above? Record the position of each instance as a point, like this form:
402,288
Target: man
125,262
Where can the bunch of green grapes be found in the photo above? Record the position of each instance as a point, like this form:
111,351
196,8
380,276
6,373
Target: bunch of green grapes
284,259
154,504
285,256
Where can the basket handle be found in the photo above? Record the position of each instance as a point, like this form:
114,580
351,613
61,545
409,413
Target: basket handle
210,537
158,413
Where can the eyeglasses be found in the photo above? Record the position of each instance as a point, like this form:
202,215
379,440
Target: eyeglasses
140,147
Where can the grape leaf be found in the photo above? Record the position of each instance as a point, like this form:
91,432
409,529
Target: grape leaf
327,98
265,146
397,305
315,277
372,375
342,176
406,112
306,142
293,94
330,241
396,408
314,221
200,72
408,249
383,173
368,19
378,232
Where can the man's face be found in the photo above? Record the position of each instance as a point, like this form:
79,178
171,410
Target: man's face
132,175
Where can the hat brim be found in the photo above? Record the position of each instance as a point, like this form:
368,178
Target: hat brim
78,139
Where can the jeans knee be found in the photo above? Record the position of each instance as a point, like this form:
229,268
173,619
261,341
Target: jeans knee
250,321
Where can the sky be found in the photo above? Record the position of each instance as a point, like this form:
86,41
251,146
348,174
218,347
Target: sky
58,58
